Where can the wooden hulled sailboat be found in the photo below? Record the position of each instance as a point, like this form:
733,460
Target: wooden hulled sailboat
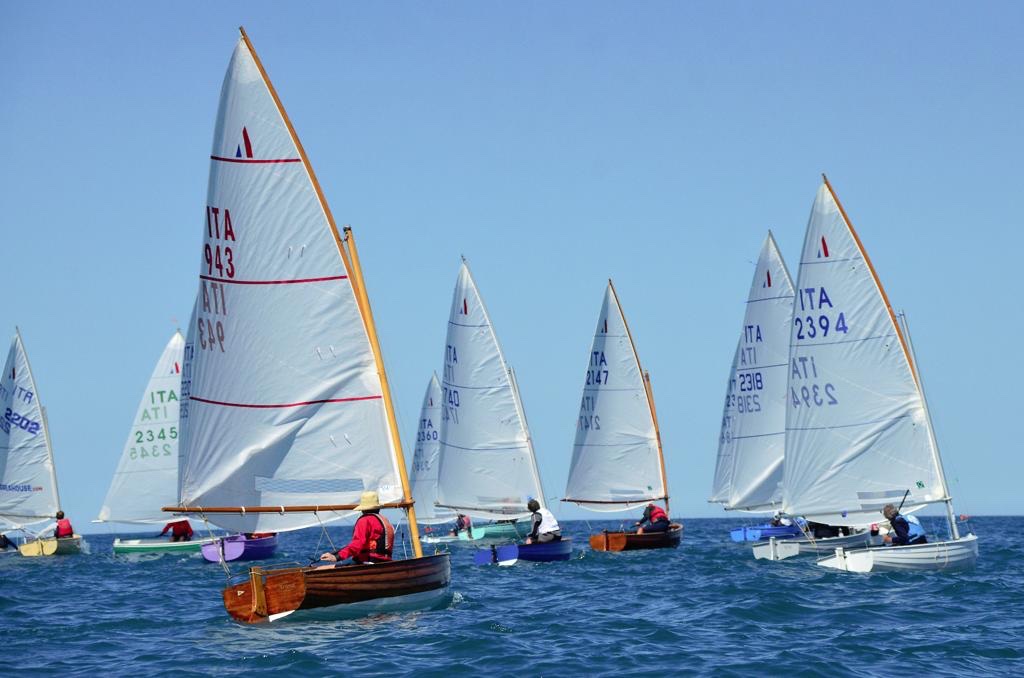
858,432
617,462
286,413
147,473
28,477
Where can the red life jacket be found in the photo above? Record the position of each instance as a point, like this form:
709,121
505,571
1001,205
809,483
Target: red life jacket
658,513
64,529
381,547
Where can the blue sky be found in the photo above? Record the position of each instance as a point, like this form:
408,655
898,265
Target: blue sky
555,145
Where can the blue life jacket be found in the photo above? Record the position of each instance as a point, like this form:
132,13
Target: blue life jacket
915,533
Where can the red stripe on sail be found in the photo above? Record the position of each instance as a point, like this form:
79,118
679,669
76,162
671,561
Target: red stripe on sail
824,246
284,405
769,273
253,160
272,282
465,307
177,369
248,144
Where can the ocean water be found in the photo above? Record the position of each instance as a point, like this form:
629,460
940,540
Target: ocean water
705,608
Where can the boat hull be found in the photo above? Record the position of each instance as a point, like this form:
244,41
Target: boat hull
271,594
497,531
159,545
764,533
240,547
631,541
51,547
944,555
545,552
788,548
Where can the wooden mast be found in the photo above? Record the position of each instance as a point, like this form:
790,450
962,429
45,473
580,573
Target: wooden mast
647,389
389,407
878,283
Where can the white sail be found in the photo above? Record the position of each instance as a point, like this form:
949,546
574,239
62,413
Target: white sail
487,466
147,474
857,433
285,402
426,458
28,481
616,462
748,475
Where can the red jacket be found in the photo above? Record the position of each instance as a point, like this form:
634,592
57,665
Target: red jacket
63,529
654,513
178,528
372,540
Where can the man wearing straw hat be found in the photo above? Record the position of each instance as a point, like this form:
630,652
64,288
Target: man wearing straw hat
373,537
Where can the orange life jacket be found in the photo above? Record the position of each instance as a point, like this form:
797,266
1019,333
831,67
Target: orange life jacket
658,513
381,548
64,528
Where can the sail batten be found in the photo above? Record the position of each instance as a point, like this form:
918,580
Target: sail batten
487,463
617,461
287,398
751,445
857,431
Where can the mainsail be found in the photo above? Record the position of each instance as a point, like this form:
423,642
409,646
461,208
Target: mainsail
857,433
28,480
147,474
748,474
617,461
488,469
425,459
287,399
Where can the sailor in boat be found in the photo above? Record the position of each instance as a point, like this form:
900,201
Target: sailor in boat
907,529
180,530
5,542
462,522
656,519
62,528
373,537
545,527
779,520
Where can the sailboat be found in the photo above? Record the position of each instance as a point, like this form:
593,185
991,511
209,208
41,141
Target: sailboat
488,468
617,462
858,432
28,477
287,416
748,473
425,460
147,473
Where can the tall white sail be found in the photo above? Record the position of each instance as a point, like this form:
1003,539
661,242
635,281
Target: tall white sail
426,458
857,434
285,403
28,481
616,460
487,465
748,475
147,474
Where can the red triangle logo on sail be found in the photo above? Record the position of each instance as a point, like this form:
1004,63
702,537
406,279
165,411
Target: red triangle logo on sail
823,252
246,143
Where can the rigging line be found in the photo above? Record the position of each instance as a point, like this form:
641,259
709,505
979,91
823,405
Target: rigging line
220,548
323,533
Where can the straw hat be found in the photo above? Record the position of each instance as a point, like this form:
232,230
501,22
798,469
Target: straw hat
368,501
